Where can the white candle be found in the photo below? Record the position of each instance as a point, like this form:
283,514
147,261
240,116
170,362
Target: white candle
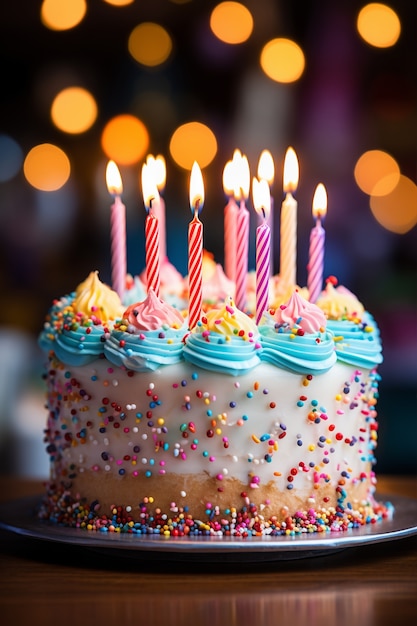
288,252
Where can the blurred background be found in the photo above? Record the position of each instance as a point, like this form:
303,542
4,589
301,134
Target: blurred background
85,82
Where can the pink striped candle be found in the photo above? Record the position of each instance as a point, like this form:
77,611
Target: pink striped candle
195,248
266,170
242,250
152,254
117,229
317,239
243,224
262,204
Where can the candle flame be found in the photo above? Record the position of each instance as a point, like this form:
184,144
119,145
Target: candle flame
228,179
320,202
261,197
113,179
149,188
157,167
291,171
196,189
243,178
266,168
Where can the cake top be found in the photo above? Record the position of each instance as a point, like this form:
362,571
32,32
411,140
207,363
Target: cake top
151,332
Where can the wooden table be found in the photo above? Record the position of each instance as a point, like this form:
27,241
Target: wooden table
55,584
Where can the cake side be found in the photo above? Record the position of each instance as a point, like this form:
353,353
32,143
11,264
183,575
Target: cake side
230,428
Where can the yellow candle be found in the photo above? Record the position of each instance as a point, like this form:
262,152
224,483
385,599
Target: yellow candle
288,240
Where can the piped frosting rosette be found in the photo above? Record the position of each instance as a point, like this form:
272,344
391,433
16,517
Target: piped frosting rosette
80,326
149,336
294,337
225,340
356,335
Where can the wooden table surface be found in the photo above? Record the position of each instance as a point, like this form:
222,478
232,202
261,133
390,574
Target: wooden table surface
57,584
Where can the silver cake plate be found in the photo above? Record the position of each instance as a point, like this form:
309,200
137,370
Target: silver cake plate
18,516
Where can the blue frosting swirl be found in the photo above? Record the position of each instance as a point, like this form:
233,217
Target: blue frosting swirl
308,353
145,351
357,342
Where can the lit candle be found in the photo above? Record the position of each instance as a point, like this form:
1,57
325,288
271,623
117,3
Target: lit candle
288,252
262,204
195,247
266,170
230,220
151,196
317,238
117,229
157,169
242,248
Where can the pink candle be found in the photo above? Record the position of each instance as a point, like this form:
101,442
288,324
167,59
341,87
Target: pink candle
151,195
117,229
242,248
230,223
317,238
195,248
262,204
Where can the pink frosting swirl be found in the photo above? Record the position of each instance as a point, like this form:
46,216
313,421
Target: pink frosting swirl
152,314
302,313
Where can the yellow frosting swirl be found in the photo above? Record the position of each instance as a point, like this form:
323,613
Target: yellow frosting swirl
339,303
97,300
229,321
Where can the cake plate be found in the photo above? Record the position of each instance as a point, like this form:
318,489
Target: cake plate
18,516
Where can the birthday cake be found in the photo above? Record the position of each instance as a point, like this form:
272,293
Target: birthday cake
230,427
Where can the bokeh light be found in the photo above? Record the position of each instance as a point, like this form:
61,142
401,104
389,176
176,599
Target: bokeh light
11,158
282,60
74,110
125,139
376,172
193,142
62,14
119,3
46,167
397,210
231,22
378,25
150,44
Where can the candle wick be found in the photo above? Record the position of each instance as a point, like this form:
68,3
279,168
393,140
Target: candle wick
196,206
263,212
